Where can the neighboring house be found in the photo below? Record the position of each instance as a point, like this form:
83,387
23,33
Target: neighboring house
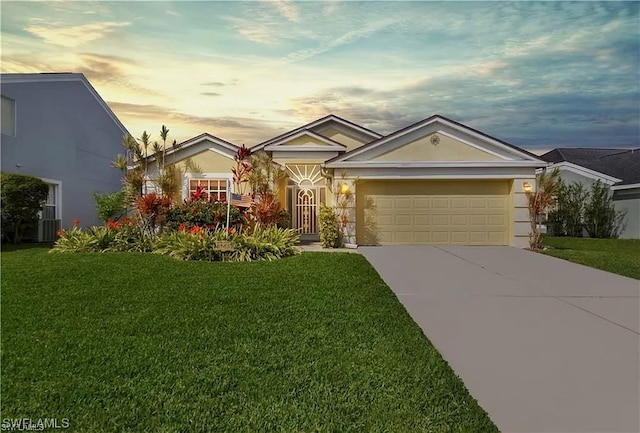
617,168
56,127
434,182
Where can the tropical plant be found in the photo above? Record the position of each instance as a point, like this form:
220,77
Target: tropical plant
21,198
600,216
566,217
111,206
329,228
265,175
75,240
204,214
539,203
152,210
265,243
242,169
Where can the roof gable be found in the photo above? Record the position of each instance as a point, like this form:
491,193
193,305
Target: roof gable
618,163
62,77
317,126
305,140
435,139
198,144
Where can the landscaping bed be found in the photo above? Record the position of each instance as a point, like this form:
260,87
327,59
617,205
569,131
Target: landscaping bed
141,342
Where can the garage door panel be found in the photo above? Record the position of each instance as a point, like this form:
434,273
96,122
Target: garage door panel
443,212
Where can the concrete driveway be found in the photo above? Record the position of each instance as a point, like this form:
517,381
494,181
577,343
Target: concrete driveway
544,345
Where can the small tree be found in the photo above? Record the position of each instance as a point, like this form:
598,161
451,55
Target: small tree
329,228
539,203
111,206
21,199
600,216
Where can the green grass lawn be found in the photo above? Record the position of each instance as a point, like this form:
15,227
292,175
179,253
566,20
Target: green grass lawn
620,256
134,342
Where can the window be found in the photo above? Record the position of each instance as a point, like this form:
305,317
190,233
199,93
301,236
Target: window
49,208
8,116
213,189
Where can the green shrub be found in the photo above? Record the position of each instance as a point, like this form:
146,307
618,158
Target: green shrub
75,240
265,243
111,206
202,213
600,216
185,245
567,217
329,228
21,198
126,236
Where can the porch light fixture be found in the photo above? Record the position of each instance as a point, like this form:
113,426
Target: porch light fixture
526,186
344,188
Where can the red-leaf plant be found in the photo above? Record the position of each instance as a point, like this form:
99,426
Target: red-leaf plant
152,209
242,169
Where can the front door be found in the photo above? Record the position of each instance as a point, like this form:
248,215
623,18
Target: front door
304,215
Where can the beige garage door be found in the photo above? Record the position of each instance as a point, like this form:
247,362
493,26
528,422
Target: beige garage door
472,212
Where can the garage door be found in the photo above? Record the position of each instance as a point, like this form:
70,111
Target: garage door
433,212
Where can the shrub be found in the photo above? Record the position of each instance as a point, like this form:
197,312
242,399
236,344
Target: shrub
265,243
124,236
75,240
198,243
329,228
111,206
21,198
600,216
153,210
203,214
191,245
567,217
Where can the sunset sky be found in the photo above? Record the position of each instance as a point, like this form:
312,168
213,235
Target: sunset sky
538,75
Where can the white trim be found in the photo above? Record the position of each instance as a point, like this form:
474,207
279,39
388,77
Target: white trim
330,144
433,164
186,177
583,171
425,123
621,187
64,77
315,155
451,173
314,124
58,197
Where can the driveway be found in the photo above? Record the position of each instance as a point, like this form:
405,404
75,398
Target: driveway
544,345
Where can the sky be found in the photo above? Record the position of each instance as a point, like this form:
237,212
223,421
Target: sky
535,74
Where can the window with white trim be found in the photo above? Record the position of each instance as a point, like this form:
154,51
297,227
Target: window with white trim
213,189
50,208
8,116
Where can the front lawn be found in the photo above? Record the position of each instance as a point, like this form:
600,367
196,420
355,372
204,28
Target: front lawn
138,342
620,256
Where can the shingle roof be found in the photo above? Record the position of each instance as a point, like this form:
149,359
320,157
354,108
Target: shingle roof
621,163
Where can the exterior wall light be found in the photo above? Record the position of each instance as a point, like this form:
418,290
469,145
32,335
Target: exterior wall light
344,188
526,186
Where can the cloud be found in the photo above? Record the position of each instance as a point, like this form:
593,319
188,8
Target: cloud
139,117
73,36
172,13
287,8
211,94
214,83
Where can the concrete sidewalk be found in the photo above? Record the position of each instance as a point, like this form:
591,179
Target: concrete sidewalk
544,345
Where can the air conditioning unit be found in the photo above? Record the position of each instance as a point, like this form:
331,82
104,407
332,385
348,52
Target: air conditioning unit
48,229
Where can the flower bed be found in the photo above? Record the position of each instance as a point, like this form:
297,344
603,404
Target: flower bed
186,243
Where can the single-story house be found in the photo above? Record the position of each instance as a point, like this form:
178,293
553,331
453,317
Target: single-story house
434,182
617,168
55,126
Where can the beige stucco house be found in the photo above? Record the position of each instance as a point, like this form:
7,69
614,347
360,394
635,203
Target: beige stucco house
434,182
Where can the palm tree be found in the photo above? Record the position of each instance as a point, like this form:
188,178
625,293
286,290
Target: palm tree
540,201
163,134
145,142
